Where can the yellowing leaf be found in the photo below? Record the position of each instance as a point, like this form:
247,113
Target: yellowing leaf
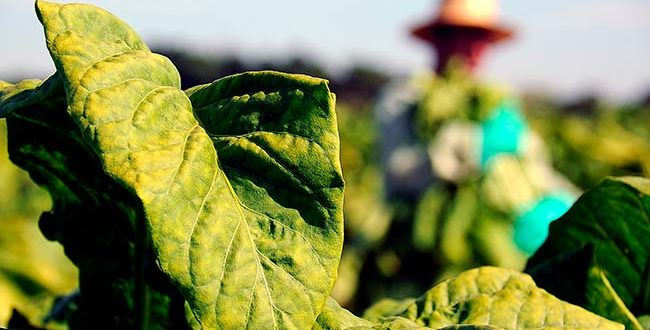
498,297
244,206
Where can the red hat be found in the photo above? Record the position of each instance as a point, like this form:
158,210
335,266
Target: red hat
479,15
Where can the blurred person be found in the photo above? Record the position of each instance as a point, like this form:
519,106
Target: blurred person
460,32
472,184
463,29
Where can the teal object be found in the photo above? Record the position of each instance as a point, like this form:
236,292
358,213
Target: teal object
502,132
531,227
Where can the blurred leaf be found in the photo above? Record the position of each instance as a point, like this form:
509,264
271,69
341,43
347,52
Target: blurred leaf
367,216
347,282
455,245
427,218
492,240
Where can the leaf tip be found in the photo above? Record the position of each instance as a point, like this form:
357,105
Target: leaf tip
44,8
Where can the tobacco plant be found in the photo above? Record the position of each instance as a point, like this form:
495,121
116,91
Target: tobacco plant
600,250
218,207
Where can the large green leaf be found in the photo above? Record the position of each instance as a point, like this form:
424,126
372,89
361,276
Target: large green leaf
614,218
278,146
498,297
252,238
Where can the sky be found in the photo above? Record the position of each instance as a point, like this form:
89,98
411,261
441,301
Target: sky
566,48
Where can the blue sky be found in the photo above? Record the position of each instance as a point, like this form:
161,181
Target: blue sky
564,47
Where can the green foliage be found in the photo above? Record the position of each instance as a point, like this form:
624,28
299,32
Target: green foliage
455,95
33,271
452,225
258,229
499,297
218,207
600,249
367,216
591,141
467,220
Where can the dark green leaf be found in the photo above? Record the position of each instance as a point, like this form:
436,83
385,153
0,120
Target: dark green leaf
27,93
572,267
614,218
94,218
583,283
603,300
